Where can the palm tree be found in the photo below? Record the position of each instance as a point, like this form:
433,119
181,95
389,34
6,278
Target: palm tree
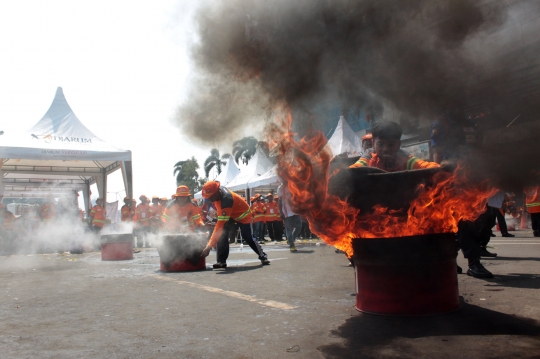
244,149
213,161
186,174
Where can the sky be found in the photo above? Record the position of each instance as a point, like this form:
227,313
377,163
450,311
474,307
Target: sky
124,68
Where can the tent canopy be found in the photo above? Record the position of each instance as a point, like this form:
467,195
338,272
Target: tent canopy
270,179
229,172
344,140
60,152
257,166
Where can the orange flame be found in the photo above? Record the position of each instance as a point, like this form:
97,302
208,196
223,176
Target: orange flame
303,165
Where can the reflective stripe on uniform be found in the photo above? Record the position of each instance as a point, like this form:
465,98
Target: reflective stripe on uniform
99,221
243,215
411,162
223,218
361,162
536,204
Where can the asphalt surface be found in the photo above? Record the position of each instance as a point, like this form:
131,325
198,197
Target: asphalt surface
301,306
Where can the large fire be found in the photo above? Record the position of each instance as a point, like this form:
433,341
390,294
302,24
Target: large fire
304,167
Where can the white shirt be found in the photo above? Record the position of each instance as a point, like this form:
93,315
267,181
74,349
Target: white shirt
285,195
496,201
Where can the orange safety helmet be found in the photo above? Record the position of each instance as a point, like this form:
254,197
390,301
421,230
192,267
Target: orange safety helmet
269,195
369,136
210,188
143,196
163,199
181,191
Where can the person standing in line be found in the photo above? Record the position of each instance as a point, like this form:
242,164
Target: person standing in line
532,201
231,210
293,223
272,218
156,211
258,210
143,220
48,210
495,205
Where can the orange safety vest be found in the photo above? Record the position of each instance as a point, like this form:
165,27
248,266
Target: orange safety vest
231,206
8,222
98,216
143,214
404,162
48,211
127,213
272,212
532,199
258,210
175,216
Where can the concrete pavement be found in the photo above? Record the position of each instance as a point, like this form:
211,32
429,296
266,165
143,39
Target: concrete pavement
301,306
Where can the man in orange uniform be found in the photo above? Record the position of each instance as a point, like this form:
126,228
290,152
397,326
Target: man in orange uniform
127,211
48,210
143,220
181,212
387,154
273,218
156,211
532,201
231,209
258,210
97,214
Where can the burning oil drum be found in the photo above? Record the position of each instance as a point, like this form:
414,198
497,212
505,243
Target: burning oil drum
182,252
414,275
116,247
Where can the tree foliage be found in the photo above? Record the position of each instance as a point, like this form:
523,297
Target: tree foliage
186,174
213,161
244,149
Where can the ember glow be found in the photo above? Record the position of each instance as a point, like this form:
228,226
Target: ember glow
304,167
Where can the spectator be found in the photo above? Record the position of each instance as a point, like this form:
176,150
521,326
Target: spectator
293,224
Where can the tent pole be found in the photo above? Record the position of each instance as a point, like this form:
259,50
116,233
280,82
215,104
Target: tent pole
2,187
86,197
127,175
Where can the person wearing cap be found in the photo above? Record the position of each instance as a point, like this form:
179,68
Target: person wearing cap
97,216
387,154
273,218
143,220
127,211
231,209
258,210
156,211
367,142
182,212
164,201
48,210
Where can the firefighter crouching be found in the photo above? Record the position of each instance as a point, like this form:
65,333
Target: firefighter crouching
97,216
231,209
181,213
127,212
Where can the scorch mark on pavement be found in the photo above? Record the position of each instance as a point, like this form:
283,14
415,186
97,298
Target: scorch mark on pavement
248,298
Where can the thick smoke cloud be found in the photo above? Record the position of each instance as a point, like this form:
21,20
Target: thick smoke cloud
419,55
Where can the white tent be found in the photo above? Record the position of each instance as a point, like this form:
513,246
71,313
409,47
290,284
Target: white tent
269,179
229,172
344,140
59,154
257,166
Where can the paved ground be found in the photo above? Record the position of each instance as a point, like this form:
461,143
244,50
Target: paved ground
76,306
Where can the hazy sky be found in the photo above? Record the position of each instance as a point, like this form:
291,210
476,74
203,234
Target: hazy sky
123,66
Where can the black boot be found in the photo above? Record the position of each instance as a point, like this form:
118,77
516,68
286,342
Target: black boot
477,270
485,253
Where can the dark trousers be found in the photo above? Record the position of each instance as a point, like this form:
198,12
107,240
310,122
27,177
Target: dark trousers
245,231
472,235
306,232
275,230
496,215
258,231
535,222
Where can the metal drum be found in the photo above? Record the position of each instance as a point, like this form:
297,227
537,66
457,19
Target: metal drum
182,252
116,247
412,276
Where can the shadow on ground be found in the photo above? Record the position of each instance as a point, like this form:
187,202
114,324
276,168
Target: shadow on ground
373,336
514,280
